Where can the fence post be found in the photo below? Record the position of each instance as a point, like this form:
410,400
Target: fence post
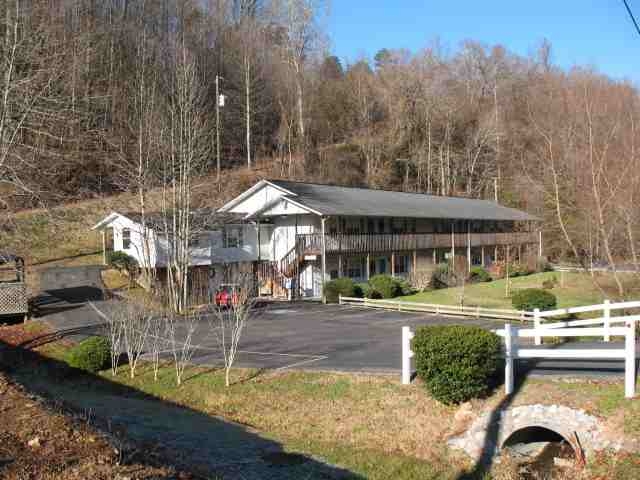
407,354
536,325
607,322
477,312
630,361
508,360
339,299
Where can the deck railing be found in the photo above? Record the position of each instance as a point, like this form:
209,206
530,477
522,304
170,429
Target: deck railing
398,242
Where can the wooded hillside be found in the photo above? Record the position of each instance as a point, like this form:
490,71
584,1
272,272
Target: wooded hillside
95,94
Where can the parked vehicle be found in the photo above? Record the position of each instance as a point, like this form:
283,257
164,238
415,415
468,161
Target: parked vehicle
227,295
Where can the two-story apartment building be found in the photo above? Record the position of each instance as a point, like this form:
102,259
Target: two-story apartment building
317,232
297,235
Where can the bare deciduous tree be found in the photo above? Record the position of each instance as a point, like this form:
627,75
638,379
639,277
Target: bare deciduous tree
180,335
187,153
135,319
228,321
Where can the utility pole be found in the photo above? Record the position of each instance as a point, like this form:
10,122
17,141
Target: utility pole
219,103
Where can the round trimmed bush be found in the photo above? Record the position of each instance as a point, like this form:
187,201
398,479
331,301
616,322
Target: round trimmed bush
478,275
457,362
340,286
122,261
92,354
361,290
440,277
385,285
529,299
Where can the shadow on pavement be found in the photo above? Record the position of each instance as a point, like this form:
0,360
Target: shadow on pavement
199,443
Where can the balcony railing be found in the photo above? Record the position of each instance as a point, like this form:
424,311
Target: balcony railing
398,242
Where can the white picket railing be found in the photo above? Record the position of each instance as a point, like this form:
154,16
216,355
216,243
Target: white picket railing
513,351
606,320
400,306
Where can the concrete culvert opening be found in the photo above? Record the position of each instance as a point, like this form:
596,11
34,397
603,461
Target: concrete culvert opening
539,452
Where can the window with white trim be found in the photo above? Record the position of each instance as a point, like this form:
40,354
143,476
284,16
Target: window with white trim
126,238
233,237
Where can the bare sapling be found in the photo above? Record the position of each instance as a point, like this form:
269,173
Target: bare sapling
180,332
157,341
114,332
136,321
230,318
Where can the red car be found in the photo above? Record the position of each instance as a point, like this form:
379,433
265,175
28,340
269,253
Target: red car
226,296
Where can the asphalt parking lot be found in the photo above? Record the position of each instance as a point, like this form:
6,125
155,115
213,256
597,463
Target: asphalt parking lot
302,335
328,337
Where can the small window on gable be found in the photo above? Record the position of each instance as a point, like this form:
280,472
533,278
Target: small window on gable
126,238
233,237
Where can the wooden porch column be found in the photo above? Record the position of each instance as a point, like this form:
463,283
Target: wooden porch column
435,256
393,264
468,246
414,267
453,246
104,247
367,268
482,254
340,265
539,243
324,260
495,253
258,235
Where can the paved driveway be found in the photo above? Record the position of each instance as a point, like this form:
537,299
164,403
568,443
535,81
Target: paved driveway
291,335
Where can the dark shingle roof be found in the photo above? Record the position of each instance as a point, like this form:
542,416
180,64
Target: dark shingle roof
203,219
351,201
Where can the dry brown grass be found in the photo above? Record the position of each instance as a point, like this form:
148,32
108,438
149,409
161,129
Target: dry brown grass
63,233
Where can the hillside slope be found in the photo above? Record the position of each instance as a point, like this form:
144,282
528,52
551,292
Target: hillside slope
62,235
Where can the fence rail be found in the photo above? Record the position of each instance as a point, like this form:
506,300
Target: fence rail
606,320
513,351
477,312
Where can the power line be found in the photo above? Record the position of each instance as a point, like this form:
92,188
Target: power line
633,19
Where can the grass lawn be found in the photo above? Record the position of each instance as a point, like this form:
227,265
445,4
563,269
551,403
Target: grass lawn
576,289
370,425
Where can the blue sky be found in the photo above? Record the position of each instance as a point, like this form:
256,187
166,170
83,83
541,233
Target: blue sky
587,32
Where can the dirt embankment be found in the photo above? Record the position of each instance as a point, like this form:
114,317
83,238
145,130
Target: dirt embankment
46,441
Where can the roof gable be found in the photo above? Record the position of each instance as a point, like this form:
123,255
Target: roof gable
255,198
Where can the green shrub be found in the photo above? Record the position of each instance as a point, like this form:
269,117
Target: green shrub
550,283
543,265
531,298
340,286
374,294
440,276
478,275
519,270
405,287
385,285
122,261
457,362
361,290
92,354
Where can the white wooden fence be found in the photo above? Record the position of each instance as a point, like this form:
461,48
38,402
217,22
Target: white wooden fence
628,353
606,320
400,306
596,327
